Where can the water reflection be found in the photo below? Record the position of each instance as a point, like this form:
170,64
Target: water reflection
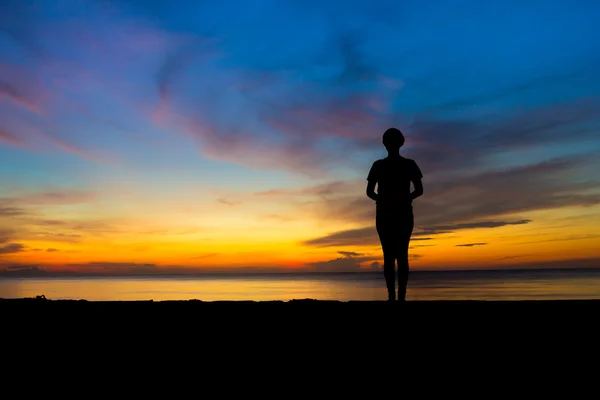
184,289
426,286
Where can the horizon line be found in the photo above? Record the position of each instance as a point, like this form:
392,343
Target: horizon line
52,274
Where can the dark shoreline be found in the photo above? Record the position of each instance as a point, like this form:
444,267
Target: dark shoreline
430,305
42,300
317,329
483,309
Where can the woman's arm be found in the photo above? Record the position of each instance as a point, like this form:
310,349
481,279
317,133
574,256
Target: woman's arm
418,183
371,190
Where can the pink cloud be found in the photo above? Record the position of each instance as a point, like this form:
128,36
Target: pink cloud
350,117
277,129
10,138
288,119
99,53
21,86
86,154
8,91
334,188
58,197
33,138
255,151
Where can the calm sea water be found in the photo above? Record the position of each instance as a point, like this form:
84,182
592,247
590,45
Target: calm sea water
456,285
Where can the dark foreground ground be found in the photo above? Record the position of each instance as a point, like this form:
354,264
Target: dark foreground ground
281,320
302,342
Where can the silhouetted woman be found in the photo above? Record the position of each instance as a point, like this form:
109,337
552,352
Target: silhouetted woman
394,215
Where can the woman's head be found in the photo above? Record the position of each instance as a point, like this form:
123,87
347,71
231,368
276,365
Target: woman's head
393,139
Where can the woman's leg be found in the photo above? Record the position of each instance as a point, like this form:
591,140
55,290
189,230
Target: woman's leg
405,231
389,271
386,237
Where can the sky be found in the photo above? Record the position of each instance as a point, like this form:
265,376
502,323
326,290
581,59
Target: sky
141,136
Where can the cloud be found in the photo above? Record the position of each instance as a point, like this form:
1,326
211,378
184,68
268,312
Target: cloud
48,222
368,236
455,202
239,145
308,116
5,235
564,238
453,143
459,198
350,254
27,233
61,237
340,264
66,60
349,262
454,198
510,257
23,270
323,190
10,138
439,229
292,96
539,82
282,119
471,244
277,217
10,211
34,227
352,237
549,184
62,197
22,267
94,227
12,248
22,206
50,250
195,49
9,91
205,256
114,267
229,202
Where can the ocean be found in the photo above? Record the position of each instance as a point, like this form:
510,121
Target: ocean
430,285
